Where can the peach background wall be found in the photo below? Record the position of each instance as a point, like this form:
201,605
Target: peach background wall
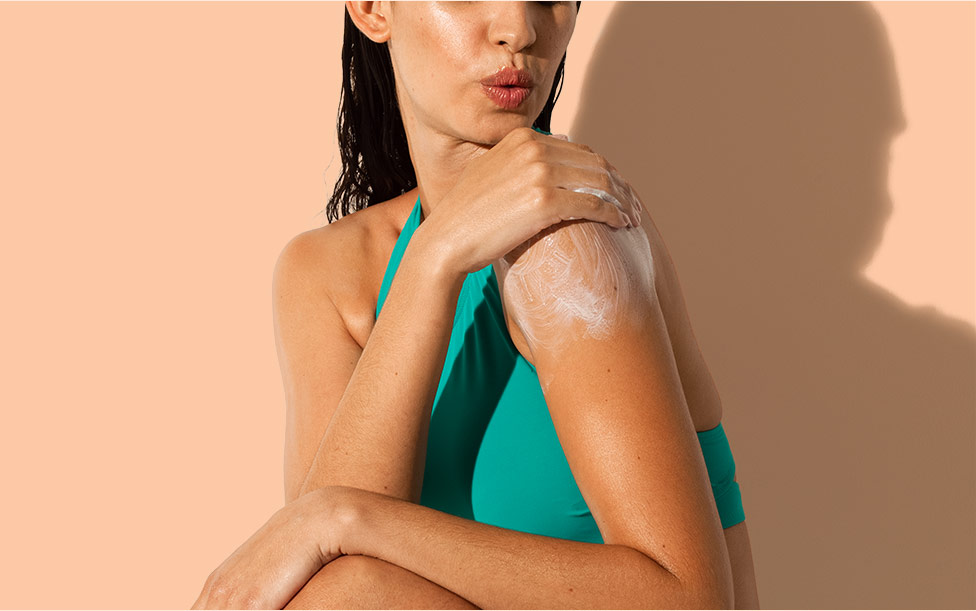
810,165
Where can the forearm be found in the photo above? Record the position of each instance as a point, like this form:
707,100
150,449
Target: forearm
377,437
499,568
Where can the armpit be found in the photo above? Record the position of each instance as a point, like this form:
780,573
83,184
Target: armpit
576,279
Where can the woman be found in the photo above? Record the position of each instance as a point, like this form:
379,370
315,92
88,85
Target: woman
500,287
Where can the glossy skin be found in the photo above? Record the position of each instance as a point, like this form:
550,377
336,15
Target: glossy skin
440,51
367,582
578,277
449,39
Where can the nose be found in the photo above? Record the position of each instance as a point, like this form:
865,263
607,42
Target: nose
512,25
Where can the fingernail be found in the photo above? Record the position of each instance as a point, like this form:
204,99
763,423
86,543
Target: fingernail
561,137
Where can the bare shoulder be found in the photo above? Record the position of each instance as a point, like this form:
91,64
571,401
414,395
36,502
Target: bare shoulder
575,279
344,261
591,270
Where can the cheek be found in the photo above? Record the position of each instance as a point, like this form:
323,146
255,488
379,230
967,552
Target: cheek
579,281
446,41
426,51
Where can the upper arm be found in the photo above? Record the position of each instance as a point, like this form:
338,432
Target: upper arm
316,353
586,304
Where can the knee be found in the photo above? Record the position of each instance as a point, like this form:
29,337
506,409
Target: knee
364,582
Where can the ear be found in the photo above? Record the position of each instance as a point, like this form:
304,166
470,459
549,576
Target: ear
370,18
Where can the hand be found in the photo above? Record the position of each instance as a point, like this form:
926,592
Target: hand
268,569
524,184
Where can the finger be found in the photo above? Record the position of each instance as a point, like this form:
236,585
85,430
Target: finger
579,167
584,204
597,181
552,139
575,167
634,196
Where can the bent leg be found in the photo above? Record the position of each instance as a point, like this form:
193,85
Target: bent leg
364,582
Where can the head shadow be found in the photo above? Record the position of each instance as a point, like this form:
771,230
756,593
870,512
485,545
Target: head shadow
758,136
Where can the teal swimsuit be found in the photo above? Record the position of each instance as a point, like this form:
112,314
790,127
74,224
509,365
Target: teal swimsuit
492,452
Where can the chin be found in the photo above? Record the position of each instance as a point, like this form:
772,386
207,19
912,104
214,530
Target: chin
502,127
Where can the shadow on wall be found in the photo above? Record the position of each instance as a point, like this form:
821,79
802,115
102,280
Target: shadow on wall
758,136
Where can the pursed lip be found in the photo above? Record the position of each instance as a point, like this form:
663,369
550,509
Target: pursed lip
508,98
509,76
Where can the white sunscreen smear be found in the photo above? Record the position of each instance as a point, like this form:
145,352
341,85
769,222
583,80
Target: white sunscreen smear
575,277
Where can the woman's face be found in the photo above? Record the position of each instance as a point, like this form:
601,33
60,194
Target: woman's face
441,52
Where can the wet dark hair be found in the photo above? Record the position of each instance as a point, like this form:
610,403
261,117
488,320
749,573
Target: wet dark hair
376,162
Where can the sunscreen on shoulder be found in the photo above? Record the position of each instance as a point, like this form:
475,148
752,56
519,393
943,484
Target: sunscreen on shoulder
573,280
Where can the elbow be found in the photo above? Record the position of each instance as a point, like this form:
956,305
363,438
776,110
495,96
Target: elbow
693,589
713,594
698,597
712,585
708,588
719,601
297,483
294,485
304,489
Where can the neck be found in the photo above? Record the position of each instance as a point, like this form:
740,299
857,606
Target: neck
438,161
